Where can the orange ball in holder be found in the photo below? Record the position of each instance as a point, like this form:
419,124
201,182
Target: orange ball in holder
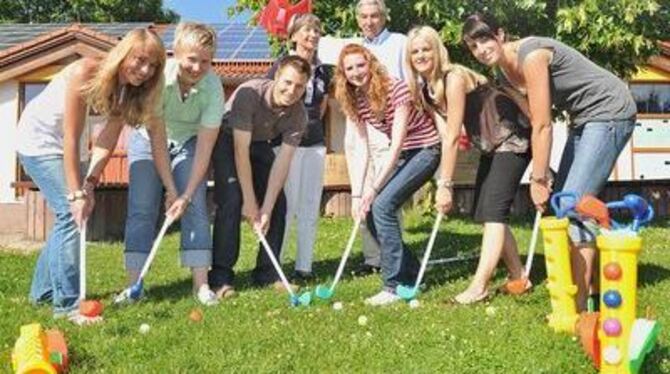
612,271
91,308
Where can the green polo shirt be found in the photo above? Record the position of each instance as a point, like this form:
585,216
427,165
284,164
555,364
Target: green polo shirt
203,107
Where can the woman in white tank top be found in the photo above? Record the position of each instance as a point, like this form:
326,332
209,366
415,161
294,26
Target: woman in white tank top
125,88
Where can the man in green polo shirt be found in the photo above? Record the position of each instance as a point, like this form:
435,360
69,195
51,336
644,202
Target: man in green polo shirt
248,177
192,108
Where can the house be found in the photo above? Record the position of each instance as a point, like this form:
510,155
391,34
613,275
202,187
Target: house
31,54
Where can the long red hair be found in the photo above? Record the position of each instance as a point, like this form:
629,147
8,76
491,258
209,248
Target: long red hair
347,94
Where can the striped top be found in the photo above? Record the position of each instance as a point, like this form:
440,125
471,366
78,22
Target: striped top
421,130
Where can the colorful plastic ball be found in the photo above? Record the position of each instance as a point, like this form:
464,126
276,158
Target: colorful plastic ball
612,298
612,327
612,271
612,355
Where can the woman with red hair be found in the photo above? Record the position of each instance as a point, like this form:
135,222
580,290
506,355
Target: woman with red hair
370,97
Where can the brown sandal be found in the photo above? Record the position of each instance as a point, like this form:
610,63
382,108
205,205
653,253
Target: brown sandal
225,292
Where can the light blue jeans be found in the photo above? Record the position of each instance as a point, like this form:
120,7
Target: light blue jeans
588,158
56,276
145,190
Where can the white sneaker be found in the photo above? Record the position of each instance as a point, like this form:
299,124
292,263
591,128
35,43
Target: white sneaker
206,296
382,298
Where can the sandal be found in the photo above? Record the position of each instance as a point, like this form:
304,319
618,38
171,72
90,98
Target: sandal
472,300
78,318
516,287
225,292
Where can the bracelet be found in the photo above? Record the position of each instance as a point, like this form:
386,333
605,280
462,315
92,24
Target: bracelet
446,183
76,195
544,180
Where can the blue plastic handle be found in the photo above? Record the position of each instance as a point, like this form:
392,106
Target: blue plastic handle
569,209
642,212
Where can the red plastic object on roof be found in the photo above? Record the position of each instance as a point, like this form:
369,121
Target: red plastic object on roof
275,16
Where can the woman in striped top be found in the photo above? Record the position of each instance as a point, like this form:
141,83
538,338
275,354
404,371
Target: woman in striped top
370,97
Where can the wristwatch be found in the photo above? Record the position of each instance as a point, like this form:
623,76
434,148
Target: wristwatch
76,195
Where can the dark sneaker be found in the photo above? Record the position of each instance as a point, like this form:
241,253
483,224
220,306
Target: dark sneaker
303,276
365,269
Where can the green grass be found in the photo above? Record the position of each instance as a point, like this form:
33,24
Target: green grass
259,332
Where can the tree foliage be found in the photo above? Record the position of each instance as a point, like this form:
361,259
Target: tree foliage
616,34
45,11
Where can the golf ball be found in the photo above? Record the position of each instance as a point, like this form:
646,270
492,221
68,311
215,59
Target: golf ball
490,311
337,305
144,328
414,303
362,320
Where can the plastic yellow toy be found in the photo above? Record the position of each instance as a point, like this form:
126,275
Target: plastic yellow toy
623,340
37,352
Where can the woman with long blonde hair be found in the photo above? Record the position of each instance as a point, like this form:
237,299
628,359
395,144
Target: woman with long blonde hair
458,96
124,87
372,98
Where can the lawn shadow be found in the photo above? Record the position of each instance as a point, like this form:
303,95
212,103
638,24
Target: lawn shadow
650,274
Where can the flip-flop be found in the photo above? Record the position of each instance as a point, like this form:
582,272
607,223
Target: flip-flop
516,287
479,299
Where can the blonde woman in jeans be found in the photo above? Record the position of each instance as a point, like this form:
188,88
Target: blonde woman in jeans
125,88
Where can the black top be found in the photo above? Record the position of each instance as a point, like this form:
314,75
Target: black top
315,92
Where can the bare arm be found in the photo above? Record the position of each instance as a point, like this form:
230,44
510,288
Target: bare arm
104,145
203,153
278,174
398,134
536,74
242,142
356,152
158,140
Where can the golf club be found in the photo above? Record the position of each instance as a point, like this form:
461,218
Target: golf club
409,293
134,292
325,292
303,299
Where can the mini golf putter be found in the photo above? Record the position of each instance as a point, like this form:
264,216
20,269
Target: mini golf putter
409,293
304,299
135,291
519,286
324,292
88,308
642,212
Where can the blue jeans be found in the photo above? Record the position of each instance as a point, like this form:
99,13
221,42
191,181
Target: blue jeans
56,276
414,169
588,158
145,191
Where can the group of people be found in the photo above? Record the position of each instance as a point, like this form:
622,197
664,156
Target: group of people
405,102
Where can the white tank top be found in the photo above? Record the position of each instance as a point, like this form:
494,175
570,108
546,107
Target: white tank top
40,127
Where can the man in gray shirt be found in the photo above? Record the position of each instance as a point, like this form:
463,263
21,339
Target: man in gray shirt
247,172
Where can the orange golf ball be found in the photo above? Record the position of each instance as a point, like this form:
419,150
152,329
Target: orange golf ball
195,315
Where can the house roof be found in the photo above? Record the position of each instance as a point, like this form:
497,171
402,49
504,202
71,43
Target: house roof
25,47
662,60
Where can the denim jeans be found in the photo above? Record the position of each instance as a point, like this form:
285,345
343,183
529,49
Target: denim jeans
56,275
145,191
414,169
228,198
588,158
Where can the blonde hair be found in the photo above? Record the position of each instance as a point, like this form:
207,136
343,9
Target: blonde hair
441,67
195,35
134,104
346,94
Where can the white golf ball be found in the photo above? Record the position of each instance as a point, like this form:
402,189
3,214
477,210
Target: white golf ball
414,303
362,320
337,305
144,328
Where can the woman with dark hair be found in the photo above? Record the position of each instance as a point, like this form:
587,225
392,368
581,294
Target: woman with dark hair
600,110
459,97
372,98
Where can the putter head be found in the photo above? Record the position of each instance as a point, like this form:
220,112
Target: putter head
323,292
406,293
136,290
303,300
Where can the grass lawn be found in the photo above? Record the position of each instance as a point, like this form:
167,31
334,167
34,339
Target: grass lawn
259,332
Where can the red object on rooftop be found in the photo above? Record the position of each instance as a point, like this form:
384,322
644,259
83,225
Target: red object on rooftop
276,15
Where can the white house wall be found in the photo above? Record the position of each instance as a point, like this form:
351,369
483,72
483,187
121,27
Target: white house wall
9,99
